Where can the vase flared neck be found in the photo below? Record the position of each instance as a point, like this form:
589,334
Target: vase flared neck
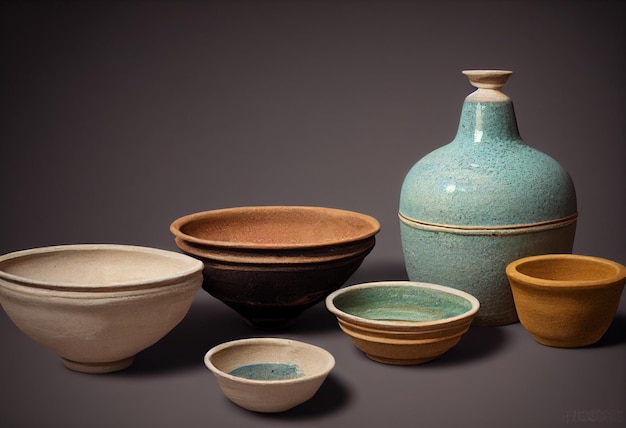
488,114
489,84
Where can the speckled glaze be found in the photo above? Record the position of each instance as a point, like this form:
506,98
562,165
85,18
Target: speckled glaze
472,206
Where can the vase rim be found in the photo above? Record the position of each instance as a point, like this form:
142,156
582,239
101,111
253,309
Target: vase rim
489,84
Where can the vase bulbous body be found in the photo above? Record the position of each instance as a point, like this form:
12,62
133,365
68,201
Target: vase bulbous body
485,199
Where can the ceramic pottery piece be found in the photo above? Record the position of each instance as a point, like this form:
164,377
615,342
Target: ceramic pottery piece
97,306
566,300
271,263
269,375
403,322
474,205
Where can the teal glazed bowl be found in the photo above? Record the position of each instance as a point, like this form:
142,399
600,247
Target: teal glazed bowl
403,322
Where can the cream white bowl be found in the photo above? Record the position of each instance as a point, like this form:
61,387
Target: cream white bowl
97,305
269,374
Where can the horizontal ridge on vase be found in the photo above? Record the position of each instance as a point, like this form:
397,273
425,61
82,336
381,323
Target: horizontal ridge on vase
472,206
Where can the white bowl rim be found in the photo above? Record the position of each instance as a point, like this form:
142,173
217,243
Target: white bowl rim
177,224
330,305
511,269
268,340
195,266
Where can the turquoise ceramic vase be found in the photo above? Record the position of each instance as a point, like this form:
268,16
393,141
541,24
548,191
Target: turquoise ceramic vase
482,201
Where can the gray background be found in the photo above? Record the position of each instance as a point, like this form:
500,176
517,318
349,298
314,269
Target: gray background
118,117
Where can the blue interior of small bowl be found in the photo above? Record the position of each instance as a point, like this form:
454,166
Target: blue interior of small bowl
268,371
401,303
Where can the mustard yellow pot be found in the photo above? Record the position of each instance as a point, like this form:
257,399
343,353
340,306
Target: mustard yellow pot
566,300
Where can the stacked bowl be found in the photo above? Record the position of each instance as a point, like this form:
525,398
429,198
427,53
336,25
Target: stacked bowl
402,322
271,263
97,306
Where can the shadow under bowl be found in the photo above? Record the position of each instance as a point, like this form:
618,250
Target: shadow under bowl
269,374
97,305
271,263
403,322
566,300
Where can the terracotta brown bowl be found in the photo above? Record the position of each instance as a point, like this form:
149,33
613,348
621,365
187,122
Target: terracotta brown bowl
270,263
269,375
403,322
566,300
97,306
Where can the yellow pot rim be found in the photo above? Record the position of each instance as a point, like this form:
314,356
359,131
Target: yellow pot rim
513,273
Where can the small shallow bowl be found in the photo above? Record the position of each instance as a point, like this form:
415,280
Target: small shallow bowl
97,306
271,263
403,322
566,300
269,374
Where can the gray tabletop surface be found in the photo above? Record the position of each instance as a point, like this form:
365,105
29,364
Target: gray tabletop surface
120,116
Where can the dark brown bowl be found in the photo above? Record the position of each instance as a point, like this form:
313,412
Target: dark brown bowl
270,263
